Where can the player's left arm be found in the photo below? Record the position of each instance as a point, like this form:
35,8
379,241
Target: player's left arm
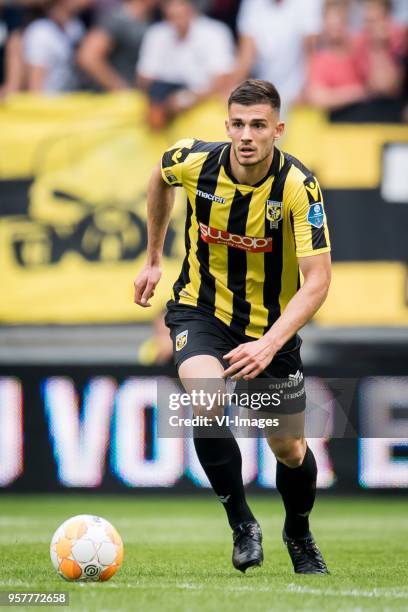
313,254
316,271
250,359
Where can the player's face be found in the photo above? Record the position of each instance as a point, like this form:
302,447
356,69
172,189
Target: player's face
253,131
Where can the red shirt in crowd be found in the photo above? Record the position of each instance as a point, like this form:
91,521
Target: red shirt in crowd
334,69
395,46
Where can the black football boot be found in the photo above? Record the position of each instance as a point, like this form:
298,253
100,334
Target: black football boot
305,554
247,551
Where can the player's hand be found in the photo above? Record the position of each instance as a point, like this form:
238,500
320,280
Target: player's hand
145,284
249,359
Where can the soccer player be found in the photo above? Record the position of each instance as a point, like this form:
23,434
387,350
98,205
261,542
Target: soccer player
255,217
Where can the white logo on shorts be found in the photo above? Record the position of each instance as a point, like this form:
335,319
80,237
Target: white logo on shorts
297,377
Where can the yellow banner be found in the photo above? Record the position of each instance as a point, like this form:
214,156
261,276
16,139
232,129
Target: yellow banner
73,180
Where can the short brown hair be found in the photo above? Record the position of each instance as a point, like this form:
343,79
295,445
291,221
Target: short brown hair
255,91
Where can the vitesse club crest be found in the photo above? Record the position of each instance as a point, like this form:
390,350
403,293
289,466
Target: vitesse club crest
274,213
181,340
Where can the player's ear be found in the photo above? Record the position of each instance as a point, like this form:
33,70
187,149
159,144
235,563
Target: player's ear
227,129
279,130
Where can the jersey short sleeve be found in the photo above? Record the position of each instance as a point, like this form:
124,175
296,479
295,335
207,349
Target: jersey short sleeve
309,218
173,162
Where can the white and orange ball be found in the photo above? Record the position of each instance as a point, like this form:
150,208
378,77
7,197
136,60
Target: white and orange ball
87,549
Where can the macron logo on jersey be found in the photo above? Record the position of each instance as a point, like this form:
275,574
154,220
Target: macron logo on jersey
210,196
213,235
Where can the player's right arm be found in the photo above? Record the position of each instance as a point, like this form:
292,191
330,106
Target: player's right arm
160,201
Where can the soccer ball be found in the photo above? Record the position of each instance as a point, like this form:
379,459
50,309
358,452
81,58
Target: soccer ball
86,548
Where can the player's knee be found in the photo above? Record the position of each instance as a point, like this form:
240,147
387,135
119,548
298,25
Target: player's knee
204,410
290,452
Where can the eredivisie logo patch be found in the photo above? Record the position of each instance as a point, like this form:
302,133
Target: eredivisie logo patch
181,340
315,216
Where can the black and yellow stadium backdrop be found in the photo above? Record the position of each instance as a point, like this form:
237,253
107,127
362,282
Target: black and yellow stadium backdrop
73,179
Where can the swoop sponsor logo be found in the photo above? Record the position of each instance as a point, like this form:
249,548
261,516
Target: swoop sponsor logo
213,235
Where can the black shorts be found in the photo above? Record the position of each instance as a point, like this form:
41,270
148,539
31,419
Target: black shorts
195,332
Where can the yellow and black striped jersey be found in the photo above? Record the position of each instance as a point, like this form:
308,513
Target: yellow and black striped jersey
242,241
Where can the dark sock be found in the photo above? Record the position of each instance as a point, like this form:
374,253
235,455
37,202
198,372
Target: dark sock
297,487
221,460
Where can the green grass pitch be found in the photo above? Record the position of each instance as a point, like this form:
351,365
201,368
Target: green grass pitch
178,550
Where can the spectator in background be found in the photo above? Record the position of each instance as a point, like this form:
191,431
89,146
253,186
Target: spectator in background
50,44
380,48
275,38
183,59
11,56
110,51
399,12
224,10
359,78
334,79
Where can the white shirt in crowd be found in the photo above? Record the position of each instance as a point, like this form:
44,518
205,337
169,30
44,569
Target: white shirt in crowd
279,29
50,46
206,52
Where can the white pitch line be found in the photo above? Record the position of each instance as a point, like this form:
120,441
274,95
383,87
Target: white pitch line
374,593
294,589
9,520
291,589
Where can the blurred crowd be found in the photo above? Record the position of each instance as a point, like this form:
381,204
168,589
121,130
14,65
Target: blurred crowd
349,57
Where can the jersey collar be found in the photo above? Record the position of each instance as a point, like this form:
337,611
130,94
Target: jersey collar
273,169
